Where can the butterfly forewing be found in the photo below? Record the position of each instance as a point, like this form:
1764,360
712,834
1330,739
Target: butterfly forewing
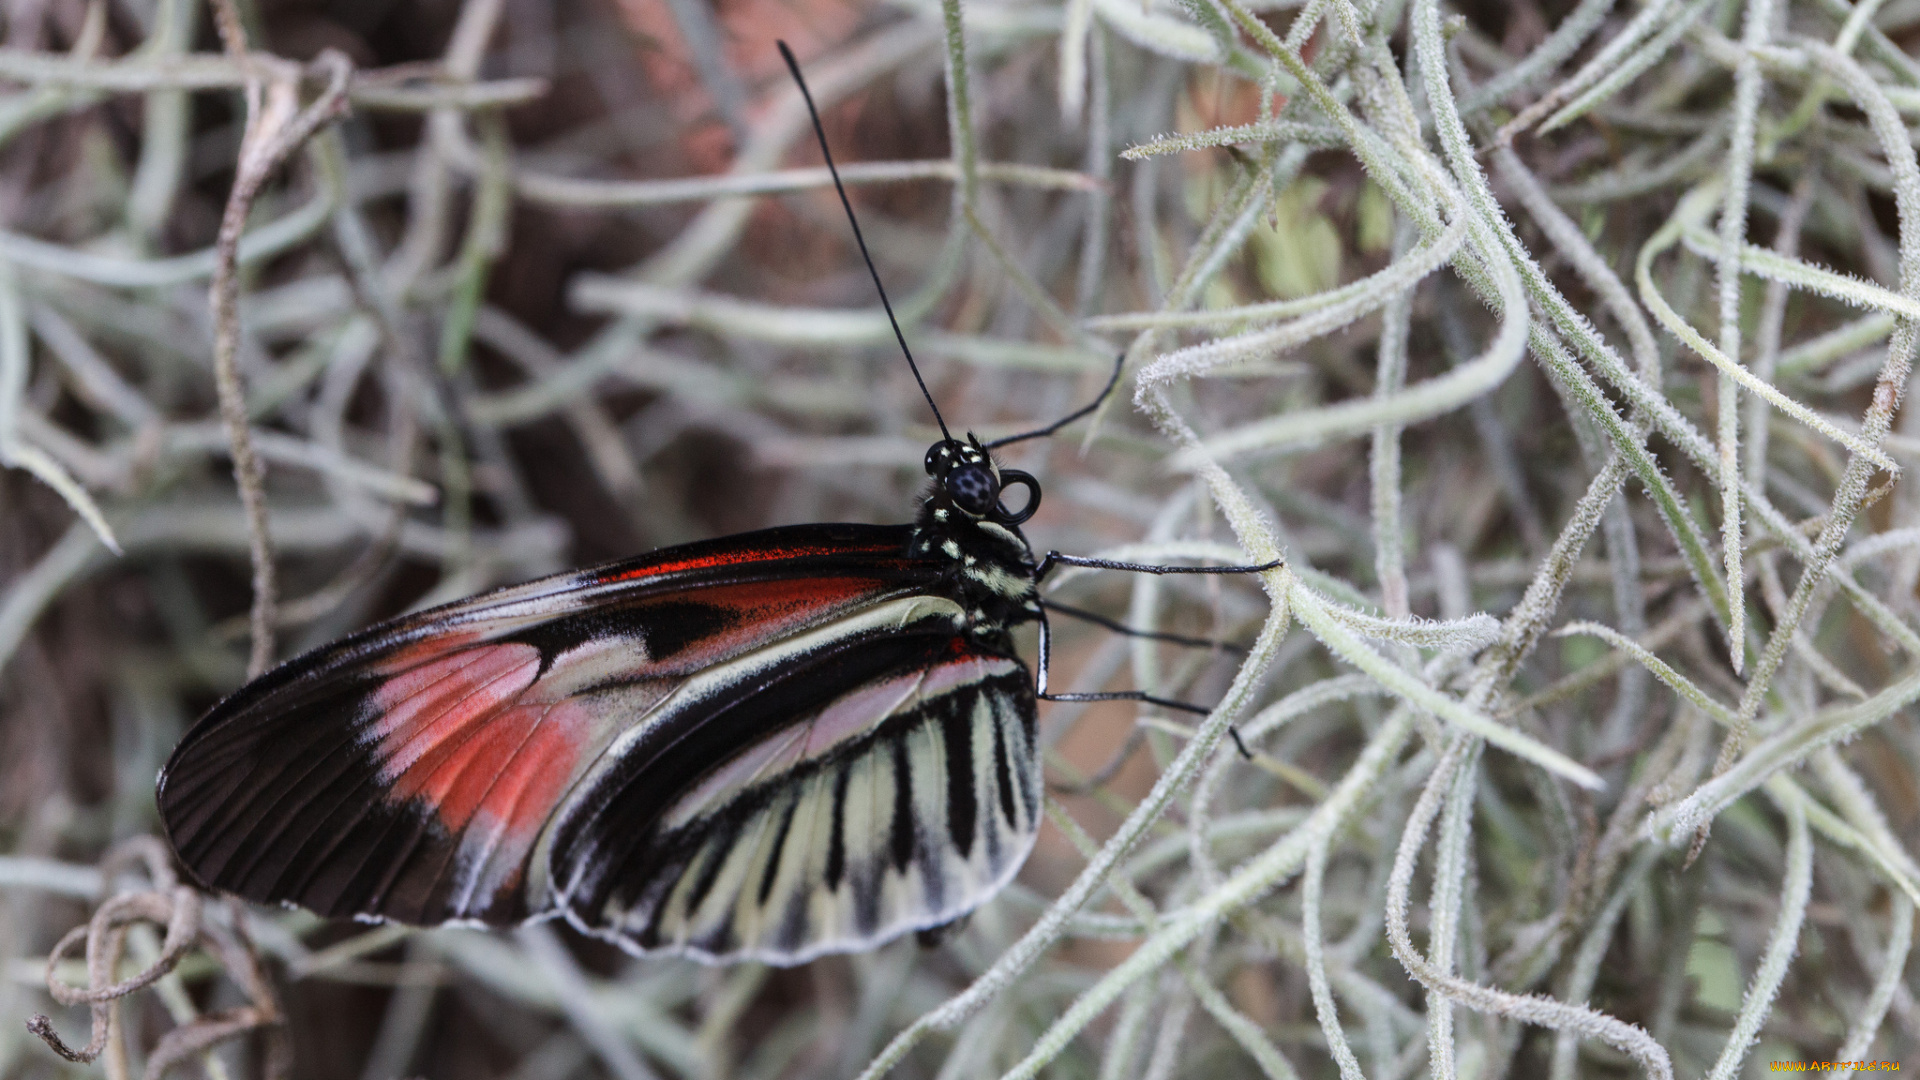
880,778
412,771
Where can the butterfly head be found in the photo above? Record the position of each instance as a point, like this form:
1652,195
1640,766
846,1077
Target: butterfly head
965,476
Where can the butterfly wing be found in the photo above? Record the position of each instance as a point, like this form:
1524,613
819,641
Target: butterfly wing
413,771
879,777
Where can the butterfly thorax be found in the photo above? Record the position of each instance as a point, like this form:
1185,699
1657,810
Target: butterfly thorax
991,567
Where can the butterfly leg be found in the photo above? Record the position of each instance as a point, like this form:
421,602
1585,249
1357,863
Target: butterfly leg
1151,635
1054,558
1041,691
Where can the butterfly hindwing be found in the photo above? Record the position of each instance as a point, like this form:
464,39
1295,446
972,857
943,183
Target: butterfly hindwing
412,771
881,778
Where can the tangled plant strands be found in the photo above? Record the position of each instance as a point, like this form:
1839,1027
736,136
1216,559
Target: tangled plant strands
1562,360
179,908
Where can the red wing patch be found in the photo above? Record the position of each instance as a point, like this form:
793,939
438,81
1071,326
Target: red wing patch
455,735
714,562
699,630
434,716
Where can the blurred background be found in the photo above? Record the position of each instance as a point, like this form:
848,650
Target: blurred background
563,283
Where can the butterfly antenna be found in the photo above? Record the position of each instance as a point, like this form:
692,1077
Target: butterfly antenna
821,134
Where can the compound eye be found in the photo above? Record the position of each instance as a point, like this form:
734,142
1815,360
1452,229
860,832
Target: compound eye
972,489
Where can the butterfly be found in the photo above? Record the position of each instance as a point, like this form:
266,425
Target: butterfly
768,746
